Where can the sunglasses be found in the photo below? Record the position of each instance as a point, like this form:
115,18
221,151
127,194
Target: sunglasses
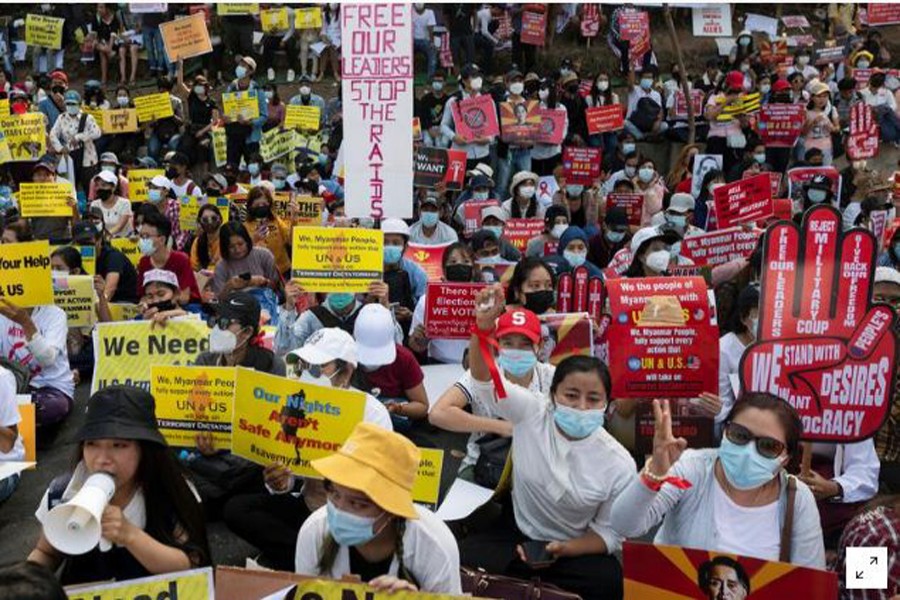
766,446
221,322
209,221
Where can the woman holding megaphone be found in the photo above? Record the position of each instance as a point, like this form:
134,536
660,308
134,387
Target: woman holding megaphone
125,511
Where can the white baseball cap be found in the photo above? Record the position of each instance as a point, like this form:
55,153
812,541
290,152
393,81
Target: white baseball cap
161,182
326,345
681,202
374,333
108,177
646,234
887,275
160,276
395,226
493,211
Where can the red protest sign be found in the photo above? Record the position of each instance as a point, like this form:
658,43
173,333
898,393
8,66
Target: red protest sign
681,106
743,201
590,20
520,121
584,87
429,258
519,231
475,118
417,129
552,127
776,182
601,119
821,345
634,27
783,209
863,139
472,213
800,175
631,203
719,247
534,28
581,165
436,165
667,346
883,13
577,292
659,571
781,124
450,309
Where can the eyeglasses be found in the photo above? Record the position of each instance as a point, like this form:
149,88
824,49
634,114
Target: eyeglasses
766,446
221,322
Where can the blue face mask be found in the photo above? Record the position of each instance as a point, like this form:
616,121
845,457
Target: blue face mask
760,158
392,254
744,467
646,84
495,229
679,221
154,195
897,250
816,196
576,259
576,423
517,363
574,190
348,529
646,174
429,219
240,71
615,236
278,183
253,169
340,301
628,148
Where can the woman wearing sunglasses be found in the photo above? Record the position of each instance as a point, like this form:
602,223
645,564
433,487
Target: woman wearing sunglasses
749,504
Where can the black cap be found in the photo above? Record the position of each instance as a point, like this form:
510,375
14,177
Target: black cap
616,216
84,233
121,412
514,73
180,158
240,307
481,181
470,70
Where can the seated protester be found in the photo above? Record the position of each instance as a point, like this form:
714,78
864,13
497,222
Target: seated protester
649,183
680,214
153,520
16,231
458,266
65,261
494,219
582,205
878,525
561,492
614,235
891,256
571,252
12,448
205,251
388,370
406,280
713,179
115,277
519,347
522,203
234,337
744,325
742,486
116,210
178,165
155,232
55,229
245,267
625,173
160,302
556,220
429,230
30,581
532,287
109,162
266,229
161,198
487,254
271,520
370,526
480,189
651,254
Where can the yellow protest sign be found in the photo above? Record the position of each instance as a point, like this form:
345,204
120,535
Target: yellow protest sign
246,103
125,352
45,199
427,483
75,295
153,107
232,10
308,18
129,248
309,210
268,426
123,311
190,210
96,113
4,106
305,118
5,154
220,146
186,37
44,31
327,259
275,143
88,257
196,584
137,183
25,273
122,120
27,429
25,135
274,20
191,400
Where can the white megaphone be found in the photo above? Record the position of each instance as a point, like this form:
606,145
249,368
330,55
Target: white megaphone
74,527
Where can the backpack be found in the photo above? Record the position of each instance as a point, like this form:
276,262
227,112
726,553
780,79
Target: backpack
329,320
20,372
645,114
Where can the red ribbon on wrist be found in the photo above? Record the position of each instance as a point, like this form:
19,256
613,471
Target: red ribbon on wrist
485,343
681,484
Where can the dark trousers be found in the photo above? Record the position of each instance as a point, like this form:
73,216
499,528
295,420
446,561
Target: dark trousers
545,166
269,522
486,53
463,49
523,54
236,144
237,37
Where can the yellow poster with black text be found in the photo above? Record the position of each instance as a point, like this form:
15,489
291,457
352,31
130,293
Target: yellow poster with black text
76,296
275,143
25,136
427,485
192,400
308,18
220,146
137,183
289,422
124,353
244,104
45,199
153,107
227,9
25,273
323,589
331,259
304,118
196,584
44,31
275,20
129,248
122,120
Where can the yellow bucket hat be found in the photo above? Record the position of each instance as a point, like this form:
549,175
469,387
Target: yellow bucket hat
379,463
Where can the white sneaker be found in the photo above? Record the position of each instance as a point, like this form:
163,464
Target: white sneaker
271,74
290,75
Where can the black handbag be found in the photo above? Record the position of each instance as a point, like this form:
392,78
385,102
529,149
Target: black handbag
492,460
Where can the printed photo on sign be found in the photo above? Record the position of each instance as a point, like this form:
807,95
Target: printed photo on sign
520,121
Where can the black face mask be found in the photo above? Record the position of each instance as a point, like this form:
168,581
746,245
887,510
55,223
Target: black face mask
104,194
459,273
260,212
163,306
539,302
213,193
572,89
58,90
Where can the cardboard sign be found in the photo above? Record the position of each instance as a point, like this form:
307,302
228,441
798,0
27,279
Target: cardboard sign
137,183
450,310
186,37
634,28
220,145
274,20
26,136
236,104
712,20
519,122
436,165
124,120
125,352
864,133
720,247
697,429
798,176
327,259
472,213
153,107
309,210
534,28
192,400
681,105
308,18
567,334
581,165
631,203
275,143
190,585
129,248
75,295
744,201
305,118
670,348
518,231
552,128
430,258
703,164
601,119
45,199
226,9
780,124
883,13
26,278
590,20
476,118
44,31
289,422
657,571
821,345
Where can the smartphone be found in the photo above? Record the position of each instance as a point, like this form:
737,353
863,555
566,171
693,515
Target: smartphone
245,276
536,554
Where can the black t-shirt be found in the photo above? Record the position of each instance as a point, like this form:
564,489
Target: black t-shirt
366,570
113,261
200,111
430,110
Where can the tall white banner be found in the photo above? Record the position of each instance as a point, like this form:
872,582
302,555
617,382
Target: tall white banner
377,92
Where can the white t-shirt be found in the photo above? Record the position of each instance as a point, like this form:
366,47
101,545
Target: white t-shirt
9,414
51,324
112,216
730,351
430,552
421,23
746,530
562,487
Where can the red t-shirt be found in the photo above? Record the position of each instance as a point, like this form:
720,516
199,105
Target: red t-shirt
685,185
180,264
401,375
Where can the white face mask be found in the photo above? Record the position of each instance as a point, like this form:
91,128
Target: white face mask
199,90
305,90
437,85
526,191
559,229
322,380
658,261
516,88
475,84
603,85
543,94
222,341
802,60
122,100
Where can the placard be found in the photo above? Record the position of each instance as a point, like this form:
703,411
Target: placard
330,259
304,118
450,310
189,212
129,248
309,209
308,18
634,28
186,585
26,136
193,400
28,428
138,180
476,117
601,119
186,37
826,55
26,273
236,104
696,429
274,20
276,143
883,13
781,124
227,9
720,247
75,295
631,203
712,20
518,231
681,105
472,213
744,201
552,128
44,31
220,145
862,141
45,199
434,166
581,165
534,28
123,120
520,121
590,20
799,175
153,107
703,164
430,258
